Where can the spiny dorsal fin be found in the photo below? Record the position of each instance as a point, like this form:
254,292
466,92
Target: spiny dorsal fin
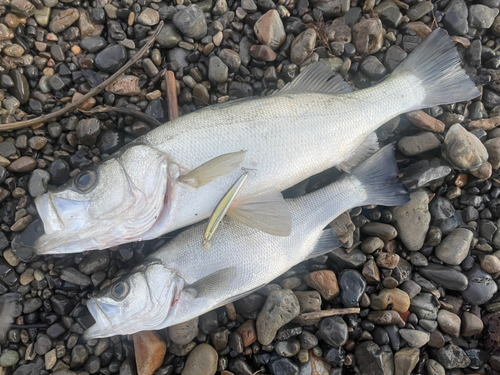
326,243
317,78
213,283
363,152
217,167
265,210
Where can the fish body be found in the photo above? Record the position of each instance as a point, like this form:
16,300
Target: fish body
309,127
189,281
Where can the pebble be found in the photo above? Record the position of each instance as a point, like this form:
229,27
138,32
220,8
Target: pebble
481,287
191,22
481,16
150,350
269,29
418,144
455,18
398,299
471,324
303,46
452,357
63,20
422,120
333,331
281,307
201,361
184,333
416,339
79,355
111,59
463,150
385,317
72,275
405,361
352,286
372,360
445,276
324,282
455,247
367,36
217,70
449,322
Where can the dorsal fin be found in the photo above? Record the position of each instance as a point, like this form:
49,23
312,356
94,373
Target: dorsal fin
317,78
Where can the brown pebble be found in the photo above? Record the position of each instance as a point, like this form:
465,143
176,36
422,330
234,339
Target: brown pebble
485,124
490,263
461,180
125,85
11,20
263,53
231,311
483,172
387,317
449,322
350,345
23,164
384,231
150,350
21,224
436,339
386,260
183,333
424,121
325,282
37,142
398,299
247,333
370,271
420,28
471,324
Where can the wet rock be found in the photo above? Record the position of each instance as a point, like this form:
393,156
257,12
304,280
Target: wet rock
452,356
368,36
269,29
481,286
352,286
281,307
191,22
455,247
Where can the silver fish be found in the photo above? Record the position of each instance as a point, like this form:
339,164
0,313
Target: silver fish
175,175
181,280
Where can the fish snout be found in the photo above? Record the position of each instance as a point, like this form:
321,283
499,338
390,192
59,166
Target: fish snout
48,213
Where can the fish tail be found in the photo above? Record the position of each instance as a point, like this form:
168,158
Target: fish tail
379,179
437,66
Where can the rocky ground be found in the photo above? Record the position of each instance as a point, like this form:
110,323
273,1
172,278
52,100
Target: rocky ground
424,275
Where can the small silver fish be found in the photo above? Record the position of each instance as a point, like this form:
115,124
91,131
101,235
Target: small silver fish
181,281
175,175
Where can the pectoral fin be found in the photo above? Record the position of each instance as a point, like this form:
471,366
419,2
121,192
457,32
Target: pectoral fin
213,284
217,167
367,149
326,243
265,210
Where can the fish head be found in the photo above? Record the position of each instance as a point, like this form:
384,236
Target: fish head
111,203
140,301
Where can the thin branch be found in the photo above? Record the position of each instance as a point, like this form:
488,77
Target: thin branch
331,312
96,90
173,108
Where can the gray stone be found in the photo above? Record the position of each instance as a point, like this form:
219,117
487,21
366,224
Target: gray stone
281,307
418,144
415,338
463,150
372,360
37,184
452,357
455,18
191,22
169,36
481,16
425,306
303,46
481,287
412,219
445,276
455,247
217,70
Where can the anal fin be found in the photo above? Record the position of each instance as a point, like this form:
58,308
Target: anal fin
326,243
217,167
363,152
265,210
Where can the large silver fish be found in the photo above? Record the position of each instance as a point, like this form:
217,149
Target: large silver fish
175,175
181,280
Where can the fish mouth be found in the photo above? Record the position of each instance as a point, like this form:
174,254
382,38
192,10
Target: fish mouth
102,327
48,214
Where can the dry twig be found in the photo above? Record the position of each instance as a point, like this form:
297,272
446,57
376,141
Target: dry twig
96,90
331,312
173,108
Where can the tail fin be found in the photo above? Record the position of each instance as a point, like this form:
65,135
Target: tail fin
436,63
379,177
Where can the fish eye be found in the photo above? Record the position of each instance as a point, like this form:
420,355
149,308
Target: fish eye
119,290
85,180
